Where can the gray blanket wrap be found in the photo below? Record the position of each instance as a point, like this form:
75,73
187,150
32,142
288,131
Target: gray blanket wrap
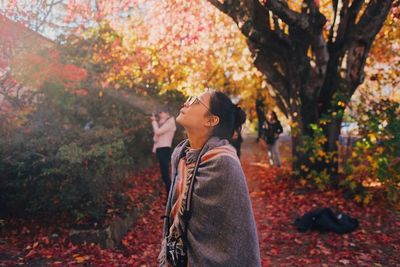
221,230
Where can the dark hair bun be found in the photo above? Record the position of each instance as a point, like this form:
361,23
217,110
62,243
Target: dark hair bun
231,117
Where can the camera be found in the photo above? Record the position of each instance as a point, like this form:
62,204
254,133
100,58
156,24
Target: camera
176,253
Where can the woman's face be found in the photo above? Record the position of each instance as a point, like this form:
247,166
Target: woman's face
196,117
163,115
270,116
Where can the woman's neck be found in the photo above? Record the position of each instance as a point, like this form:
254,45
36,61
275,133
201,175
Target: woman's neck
197,140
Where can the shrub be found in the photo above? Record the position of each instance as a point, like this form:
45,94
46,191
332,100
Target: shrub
50,170
313,150
375,160
74,142
55,163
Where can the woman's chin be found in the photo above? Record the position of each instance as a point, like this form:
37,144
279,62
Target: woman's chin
180,118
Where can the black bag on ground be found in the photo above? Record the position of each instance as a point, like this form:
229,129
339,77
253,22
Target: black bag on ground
325,220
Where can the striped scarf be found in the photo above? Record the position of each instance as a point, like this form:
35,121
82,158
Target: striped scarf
185,171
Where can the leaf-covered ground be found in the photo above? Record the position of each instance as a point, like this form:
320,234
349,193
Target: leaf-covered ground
276,202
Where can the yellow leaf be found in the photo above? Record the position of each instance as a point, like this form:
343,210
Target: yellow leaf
367,199
80,259
374,165
101,93
372,137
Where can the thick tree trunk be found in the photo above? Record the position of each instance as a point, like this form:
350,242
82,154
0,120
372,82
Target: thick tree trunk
308,110
310,69
332,132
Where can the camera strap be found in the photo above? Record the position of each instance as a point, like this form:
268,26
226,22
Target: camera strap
187,211
170,193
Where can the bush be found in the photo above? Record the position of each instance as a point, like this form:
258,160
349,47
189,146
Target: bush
71,145
313,150
50,167
375,160
57,163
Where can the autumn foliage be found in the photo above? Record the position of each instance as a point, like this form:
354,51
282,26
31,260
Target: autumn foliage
75,137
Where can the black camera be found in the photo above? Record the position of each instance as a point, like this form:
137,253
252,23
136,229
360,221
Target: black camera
176,252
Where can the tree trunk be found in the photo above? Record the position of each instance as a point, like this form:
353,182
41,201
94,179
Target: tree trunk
332,132
310,69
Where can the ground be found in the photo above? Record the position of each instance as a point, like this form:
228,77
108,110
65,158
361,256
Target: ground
276,203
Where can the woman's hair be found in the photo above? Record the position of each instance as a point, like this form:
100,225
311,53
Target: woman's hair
274,116
163,108
231,116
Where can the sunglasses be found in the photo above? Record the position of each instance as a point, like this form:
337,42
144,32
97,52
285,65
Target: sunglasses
195,100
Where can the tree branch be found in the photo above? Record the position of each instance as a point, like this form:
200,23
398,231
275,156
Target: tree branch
218,5
342,28
360,39
46,15
335,4
264,62
373,18
251,18
287,15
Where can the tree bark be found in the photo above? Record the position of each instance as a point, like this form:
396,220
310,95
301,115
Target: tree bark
310,73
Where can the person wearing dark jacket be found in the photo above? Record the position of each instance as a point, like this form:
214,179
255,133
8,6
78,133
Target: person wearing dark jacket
272,129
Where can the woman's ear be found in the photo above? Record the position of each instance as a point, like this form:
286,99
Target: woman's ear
212,121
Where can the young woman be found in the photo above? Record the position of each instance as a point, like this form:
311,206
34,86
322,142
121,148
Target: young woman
164,131
209,218
272,130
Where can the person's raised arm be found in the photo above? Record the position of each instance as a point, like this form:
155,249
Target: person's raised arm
169,125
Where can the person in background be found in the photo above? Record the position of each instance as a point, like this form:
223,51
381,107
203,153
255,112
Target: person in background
236,141
209,220
272,129
164,130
